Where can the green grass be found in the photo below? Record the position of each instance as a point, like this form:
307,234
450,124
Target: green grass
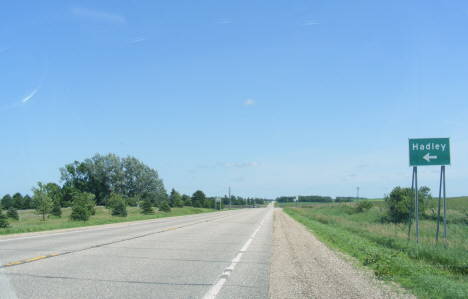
428,271
29,221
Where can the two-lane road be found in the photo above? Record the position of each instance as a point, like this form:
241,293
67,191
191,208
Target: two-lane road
222,255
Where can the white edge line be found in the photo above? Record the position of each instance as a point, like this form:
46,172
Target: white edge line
214,290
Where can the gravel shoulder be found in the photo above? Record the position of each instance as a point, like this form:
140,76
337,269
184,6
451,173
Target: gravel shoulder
303,267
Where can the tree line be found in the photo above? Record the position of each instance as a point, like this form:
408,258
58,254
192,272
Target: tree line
316,198
309,198
112,182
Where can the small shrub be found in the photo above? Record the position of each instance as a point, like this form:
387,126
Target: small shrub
178,203
146,207
12,213
56,209
119,209
363,205
3,220
83,206
164,207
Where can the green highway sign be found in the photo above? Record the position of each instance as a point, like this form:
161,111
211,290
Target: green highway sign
429,151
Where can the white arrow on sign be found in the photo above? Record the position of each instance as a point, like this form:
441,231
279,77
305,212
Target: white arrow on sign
428,158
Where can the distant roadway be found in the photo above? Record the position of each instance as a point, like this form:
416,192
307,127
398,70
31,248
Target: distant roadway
224,255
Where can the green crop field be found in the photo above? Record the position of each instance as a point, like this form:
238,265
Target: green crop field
29,221
427,270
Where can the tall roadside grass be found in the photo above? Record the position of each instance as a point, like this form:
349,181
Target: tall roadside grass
29,221
428,271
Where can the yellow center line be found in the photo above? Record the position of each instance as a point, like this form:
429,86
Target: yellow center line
30,260
35,259
15,263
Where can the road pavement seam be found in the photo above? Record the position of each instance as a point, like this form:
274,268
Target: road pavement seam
104,244
110,280
216,288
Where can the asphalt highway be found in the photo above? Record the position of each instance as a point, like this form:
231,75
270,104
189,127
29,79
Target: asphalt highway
216,255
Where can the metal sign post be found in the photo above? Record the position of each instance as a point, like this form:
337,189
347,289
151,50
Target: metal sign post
428,152
411,202
442,184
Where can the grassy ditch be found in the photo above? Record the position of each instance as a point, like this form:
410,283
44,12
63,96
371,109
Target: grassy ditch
29,221
428,271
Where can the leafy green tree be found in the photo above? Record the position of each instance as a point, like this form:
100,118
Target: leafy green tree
83,206
198,198
12,213
425,193
103,175
3,219
27,202
146,207
363,205
175,196
114,199
259,201
42,202
179,203
7,201
187,200
68,195
119,209
56,209
55,192
398,202
17,201
233,200
164,207
133,201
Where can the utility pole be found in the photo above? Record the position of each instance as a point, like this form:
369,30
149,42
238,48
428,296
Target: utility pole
229,198
358,194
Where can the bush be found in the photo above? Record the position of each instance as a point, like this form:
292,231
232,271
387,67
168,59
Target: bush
179,203
119,209
399,202
363,205
56,209
3,220
83,206
12,213
164,207
187,200
146,207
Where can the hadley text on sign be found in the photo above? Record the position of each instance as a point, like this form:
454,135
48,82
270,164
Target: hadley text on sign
429,151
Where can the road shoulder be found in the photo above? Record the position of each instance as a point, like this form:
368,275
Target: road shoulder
303,267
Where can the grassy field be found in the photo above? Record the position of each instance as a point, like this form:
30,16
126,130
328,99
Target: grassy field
29,221
428,271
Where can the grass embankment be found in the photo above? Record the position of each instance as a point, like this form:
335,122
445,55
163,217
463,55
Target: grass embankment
428,271
29,221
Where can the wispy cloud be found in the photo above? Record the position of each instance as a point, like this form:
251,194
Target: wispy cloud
224,21
249,102
138,39
98,15
5,48
251,164
311,23
31,95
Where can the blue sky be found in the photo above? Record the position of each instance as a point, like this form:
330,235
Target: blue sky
270,98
